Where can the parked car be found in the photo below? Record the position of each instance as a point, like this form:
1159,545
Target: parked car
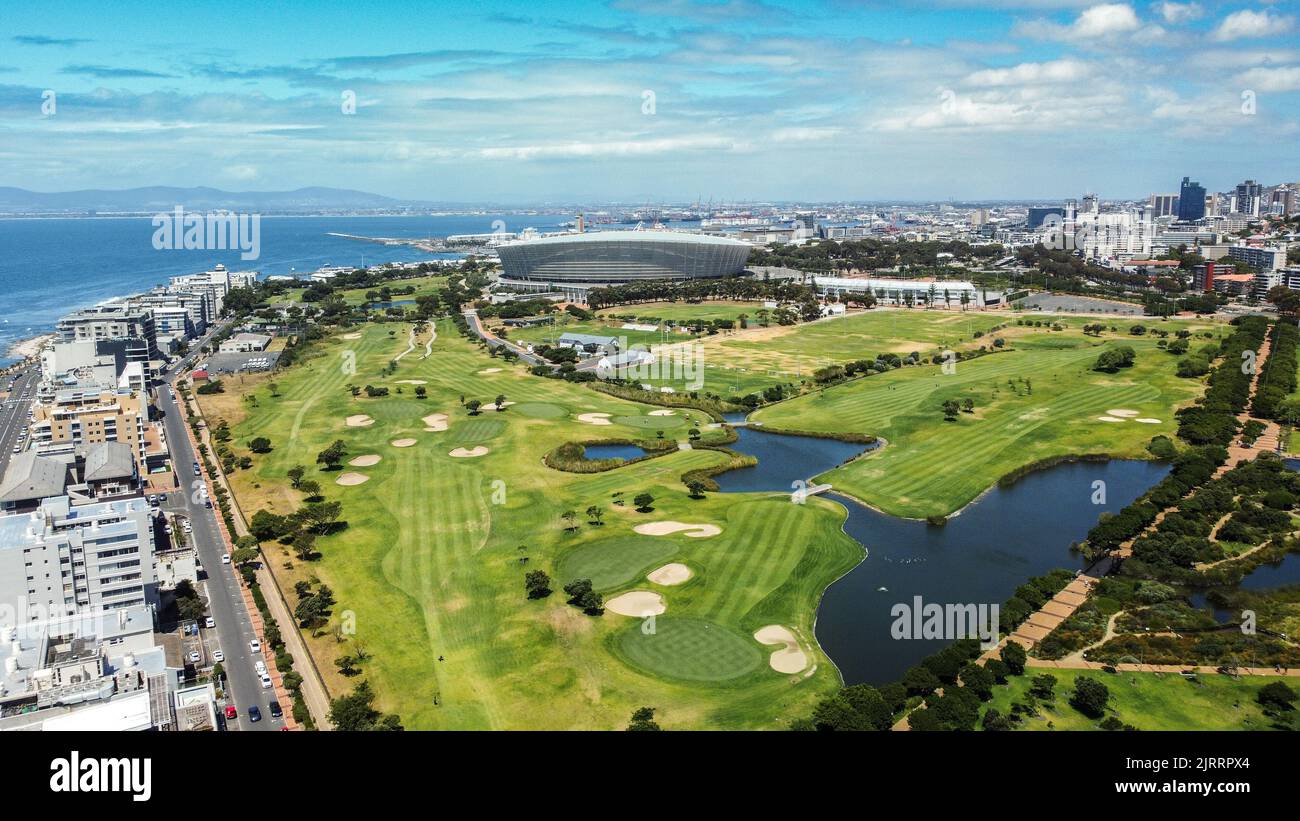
255,646
225,558
218,656
254,714
274,707
209,622
260,667
266,681
195,657
231,712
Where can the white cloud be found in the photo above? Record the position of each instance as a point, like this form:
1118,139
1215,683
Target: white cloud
1054,71
1271,79
1247,23
1177,13
1095,23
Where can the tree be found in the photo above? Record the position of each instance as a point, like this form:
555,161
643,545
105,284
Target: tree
582,595
978,680
1276,697
919,681
501,402
260,444
643,720
421,391
355,711
1090,697
594,513
473,405
304,545
696,487
571,517
347,665
643,502
1014,656
320,517
310,488
274,388
309,612
968,405
295,474
332,455
1112,360
537,584
951,409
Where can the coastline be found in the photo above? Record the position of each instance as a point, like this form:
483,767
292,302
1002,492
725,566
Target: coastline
30,347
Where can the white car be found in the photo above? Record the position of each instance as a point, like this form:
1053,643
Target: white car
260,667
218,656
210,622
225,558
266,681
255,646
195,658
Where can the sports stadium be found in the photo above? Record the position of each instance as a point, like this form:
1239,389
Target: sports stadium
573,263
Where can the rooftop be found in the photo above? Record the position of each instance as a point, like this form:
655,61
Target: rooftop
630,236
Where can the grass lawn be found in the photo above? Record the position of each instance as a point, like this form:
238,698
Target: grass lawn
934,467
432,562
355,296
1148,701
680,312
565,324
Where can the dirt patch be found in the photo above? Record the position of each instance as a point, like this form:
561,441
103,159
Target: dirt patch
359,420
402,443
351,479
595,418
638,604
469,453
670,574
368,460
490,370
695,531
412,381
354,335
790,658
1124,412
435,422
663,413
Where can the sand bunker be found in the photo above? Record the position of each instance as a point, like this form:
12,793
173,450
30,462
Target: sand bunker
670,574
595,418
1110,419
789,659
349,479
402,443
1121,412
435,422
369,460
359,420
412,381
1147,421
638,604
663,413
695,531
491,406
355,335
466,453
490,370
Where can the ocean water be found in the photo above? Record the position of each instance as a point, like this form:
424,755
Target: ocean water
49,267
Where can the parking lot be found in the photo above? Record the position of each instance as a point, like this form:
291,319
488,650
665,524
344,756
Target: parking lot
241,362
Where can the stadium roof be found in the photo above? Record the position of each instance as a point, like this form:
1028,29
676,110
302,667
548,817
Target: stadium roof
631,236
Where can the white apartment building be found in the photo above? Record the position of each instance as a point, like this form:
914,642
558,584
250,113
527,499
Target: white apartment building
215,284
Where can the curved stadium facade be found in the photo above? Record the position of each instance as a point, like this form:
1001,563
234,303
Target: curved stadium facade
576,262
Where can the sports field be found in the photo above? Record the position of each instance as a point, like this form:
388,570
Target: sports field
1148,701
1038,400
433,558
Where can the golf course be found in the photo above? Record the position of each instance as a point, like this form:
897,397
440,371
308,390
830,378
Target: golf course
447,510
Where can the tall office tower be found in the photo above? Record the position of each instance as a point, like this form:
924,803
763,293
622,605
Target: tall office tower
1191,201
1163,205
1090,204
1248,195
1071,209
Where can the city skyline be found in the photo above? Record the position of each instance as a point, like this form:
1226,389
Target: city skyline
737,100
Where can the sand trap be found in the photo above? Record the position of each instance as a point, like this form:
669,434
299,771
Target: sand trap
349,479
355,335
1121,412
638,604
668,528
491,406
670,574
435,422
1110,419
369,460
490,370
663,413
464,453
790,658
359,420
402,443
1147,421
412,382
595,418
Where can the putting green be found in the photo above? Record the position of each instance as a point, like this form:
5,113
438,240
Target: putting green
650,422
689,650
476,429
395,409
540,410
610,563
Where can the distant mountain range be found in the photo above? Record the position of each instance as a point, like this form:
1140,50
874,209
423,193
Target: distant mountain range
164,198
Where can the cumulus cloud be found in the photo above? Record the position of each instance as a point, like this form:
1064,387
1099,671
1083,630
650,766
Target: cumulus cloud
1246,23
1271,79
1054,71
1094,24
1178,13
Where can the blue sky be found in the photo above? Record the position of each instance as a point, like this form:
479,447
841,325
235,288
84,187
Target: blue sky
752,99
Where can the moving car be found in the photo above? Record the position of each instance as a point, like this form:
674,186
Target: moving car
254,714
225,558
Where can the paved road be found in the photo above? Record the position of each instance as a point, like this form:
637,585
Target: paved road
13,413
234,629
476,326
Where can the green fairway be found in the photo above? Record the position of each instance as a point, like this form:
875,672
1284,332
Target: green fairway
1148,701
682,312
933,467
431,565
611,563
650,423
690,650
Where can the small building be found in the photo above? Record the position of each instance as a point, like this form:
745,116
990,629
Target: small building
529,321
589,343
245,343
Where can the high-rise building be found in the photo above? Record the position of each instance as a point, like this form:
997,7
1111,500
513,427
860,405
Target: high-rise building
1163,205
1037,216
1248,196
1191,201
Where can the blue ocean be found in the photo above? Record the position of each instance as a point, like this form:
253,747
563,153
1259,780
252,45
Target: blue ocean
49,267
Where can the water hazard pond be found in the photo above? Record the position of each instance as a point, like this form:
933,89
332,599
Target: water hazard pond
981,556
